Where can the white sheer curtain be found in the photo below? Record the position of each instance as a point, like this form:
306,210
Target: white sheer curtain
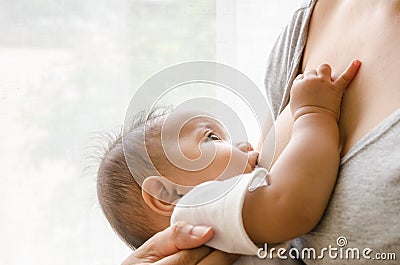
67,71
245,34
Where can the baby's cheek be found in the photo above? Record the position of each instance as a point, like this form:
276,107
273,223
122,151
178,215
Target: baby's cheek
236,164
188,150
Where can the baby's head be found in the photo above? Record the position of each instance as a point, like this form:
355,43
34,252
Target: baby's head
184,149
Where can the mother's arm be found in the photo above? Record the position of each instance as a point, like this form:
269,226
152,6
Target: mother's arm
180,244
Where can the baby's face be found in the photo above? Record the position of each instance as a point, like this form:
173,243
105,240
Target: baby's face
199,147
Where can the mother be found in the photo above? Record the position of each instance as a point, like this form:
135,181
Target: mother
365,206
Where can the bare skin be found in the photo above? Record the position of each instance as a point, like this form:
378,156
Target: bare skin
370,31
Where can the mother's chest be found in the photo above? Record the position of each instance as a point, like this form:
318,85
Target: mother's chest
374,38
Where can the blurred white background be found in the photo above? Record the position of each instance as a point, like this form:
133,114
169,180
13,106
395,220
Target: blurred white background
67,72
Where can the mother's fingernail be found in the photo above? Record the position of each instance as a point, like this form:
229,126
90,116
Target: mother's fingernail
200,230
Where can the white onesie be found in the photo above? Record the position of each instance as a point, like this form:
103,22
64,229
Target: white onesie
219,204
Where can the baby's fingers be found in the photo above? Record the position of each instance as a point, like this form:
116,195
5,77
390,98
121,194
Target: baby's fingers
347,76
325,71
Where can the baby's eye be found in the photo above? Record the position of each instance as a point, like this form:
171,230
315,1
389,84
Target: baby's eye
213,137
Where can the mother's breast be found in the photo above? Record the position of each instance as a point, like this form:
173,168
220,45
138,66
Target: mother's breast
370,31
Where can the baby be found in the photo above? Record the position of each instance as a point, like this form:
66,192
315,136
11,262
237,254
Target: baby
289,204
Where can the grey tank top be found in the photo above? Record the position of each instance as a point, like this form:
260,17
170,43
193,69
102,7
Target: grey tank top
364,211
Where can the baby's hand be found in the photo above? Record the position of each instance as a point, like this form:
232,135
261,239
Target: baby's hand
318,92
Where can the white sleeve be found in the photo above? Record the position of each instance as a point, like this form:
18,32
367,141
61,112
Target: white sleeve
219,204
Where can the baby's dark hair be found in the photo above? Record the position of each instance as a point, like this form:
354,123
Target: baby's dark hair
118,191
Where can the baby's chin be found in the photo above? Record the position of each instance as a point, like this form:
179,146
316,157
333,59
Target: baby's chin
250,168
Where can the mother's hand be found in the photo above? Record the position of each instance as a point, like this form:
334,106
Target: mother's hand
180,244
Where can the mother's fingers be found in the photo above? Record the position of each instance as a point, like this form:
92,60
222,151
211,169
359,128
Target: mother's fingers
181,236
347,76
170,241
220,258
186,257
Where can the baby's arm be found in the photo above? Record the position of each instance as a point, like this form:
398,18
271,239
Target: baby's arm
303,177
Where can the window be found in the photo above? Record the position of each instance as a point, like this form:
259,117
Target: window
68,69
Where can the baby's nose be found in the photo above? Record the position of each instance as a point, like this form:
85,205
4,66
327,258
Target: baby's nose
245,147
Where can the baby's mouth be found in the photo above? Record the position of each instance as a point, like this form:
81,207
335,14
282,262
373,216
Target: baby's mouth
253,159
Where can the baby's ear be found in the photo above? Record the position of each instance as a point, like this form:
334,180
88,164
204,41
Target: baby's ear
160,195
